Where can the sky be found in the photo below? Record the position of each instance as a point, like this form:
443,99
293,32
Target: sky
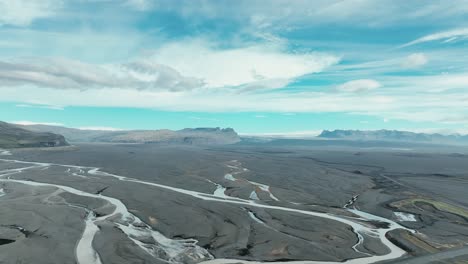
260,67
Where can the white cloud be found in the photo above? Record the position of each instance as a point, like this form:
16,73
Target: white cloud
361,85
262,65
447,108
204,100
415,60
23,12
179,66
52,107
204,119
30,123
427,101
427,83
199,75
431,115
448,36
264,84
71,74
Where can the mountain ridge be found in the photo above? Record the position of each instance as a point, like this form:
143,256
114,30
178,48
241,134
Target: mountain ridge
12,136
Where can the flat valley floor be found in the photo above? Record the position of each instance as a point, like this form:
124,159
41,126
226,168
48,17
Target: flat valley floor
243,203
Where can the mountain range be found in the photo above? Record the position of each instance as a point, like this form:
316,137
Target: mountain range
12,136
394,135
196,136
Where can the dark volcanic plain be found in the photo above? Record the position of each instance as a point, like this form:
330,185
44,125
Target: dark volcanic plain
424,184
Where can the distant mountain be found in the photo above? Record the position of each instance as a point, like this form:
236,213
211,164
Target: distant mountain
394,135
196,136
71,134
11,136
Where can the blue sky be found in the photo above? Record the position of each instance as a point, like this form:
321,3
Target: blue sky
261,67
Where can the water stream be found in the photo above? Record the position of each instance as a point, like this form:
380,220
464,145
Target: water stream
187,250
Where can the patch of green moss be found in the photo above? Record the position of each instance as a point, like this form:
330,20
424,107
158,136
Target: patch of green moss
439,206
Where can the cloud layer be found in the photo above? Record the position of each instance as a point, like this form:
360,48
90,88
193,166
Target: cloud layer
172,67
213,56
70,74
251,65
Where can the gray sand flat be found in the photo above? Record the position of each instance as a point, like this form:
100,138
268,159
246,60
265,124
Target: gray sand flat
305,178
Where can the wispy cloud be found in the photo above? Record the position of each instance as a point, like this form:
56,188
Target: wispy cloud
448,36
52,107
359,85
213,56
178,66
31,123
406,99
261,65
204,118
72,74
415,60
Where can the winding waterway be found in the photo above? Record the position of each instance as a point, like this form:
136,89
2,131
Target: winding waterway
179,251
